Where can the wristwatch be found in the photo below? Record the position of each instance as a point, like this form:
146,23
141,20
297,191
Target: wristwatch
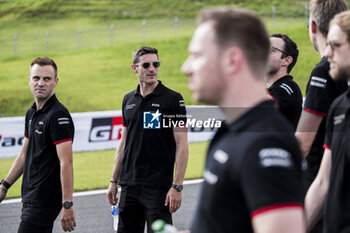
4,183
178,187
67,204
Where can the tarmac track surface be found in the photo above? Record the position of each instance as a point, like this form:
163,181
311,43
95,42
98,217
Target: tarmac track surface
93,211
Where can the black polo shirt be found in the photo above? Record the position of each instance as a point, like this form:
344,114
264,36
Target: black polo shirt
45,128
337,208
252,166
288,98
321,90
149,152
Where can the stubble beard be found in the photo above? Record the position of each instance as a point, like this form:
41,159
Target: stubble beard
342,73
272,71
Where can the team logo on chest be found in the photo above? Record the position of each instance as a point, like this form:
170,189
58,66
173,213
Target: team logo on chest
151,120
38,132
130,106
155,105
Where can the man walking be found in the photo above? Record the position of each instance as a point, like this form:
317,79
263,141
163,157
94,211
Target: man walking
331,188
45,159
147,151
281,87
243,190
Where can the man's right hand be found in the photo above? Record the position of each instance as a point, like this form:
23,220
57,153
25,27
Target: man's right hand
112,193
2,193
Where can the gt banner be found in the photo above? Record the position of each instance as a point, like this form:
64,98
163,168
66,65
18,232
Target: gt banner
102,130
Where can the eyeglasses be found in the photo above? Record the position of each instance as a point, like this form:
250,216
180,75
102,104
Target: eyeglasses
274,48
146,65
334,45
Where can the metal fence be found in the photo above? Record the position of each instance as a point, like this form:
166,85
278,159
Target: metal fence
61,40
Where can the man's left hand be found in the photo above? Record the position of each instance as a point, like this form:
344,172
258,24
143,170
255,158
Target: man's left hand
173,199
68,219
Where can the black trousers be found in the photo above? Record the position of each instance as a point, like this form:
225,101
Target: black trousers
140,204
38,219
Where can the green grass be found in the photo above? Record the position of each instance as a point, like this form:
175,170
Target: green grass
93,170
125,9
97,79
91,80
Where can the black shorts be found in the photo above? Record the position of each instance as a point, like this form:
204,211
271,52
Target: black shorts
140,204
38,219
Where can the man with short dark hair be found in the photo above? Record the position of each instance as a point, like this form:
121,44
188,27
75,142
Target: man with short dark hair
253,172
45,159
147,151
329,193
321,89
281,87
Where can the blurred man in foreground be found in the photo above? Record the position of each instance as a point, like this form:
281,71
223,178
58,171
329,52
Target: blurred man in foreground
243,190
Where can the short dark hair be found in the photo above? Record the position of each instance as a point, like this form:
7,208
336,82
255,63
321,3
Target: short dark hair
323,11
44,61
243,28
142,51
290,49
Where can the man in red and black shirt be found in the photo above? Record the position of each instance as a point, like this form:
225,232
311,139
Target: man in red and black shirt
321,89
281,87
149,149
45,159
330,191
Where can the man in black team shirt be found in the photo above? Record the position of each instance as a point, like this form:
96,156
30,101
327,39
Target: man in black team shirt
281,87
253,174
45,159
331,188
145,157
321,90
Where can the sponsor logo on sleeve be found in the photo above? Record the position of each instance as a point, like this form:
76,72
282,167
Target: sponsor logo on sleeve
210,177
318,82
182,103
221,156
338,119
63,121
275,157
287,88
